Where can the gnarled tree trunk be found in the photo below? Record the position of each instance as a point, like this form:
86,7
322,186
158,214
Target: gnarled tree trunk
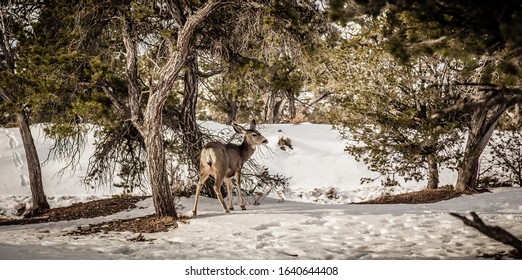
483,123
156,163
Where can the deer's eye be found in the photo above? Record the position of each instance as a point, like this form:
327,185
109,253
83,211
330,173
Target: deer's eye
254,134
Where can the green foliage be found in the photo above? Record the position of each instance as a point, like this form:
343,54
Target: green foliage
386,108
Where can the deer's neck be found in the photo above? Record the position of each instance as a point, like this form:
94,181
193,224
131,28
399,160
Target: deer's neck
246,150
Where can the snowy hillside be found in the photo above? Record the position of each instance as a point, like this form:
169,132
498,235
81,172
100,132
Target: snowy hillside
317,160
297,228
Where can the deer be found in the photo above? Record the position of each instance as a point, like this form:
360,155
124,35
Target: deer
224,161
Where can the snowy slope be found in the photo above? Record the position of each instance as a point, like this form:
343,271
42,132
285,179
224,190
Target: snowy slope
294,229
317,160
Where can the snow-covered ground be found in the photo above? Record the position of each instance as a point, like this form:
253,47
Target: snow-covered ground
302,227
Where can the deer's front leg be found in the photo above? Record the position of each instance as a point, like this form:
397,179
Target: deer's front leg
238,185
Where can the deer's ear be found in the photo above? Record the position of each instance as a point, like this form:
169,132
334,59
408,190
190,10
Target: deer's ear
253,124
238,128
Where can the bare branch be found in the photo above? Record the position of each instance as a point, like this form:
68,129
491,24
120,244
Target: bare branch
6,95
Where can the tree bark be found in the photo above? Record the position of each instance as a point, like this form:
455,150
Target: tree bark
156,163
33,165
292,111
191,136
433,172
483,123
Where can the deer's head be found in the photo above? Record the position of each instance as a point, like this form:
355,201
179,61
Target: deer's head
252,136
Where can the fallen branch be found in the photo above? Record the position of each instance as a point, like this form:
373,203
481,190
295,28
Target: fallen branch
495,232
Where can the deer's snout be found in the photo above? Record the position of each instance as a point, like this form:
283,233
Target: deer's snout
265,141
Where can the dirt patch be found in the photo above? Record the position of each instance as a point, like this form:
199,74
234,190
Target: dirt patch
81,210
99,208
418,197
147,224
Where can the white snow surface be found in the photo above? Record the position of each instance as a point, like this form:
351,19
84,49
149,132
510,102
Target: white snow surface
303,226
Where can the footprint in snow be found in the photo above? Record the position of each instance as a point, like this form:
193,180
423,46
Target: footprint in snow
24,181
13,143
17,159
266,226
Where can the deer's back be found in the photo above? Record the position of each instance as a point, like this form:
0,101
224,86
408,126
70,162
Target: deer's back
221,157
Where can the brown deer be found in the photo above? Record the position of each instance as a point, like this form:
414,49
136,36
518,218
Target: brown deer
224,161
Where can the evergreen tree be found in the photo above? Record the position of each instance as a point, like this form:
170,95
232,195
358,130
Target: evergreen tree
385,109
15,22
486,35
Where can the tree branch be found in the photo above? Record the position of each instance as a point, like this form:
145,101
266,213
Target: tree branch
494,232
509,97
131,71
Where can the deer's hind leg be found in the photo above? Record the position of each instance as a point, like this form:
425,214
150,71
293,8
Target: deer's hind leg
238,186
202,178
217,185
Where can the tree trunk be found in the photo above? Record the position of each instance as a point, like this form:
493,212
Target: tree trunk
156,163
433,172
150,127
483,123
292,111
191,136
33,165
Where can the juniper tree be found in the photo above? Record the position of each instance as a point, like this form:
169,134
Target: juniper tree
384,111
480,33
16,22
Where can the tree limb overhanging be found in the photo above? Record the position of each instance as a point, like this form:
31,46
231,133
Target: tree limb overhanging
494,232
509,97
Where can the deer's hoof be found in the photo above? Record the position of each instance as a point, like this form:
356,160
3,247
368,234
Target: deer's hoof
243,207
194,213
231,208
226,211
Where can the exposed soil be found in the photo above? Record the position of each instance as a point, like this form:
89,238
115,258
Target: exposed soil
99,208
81,210
418,197
149,224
